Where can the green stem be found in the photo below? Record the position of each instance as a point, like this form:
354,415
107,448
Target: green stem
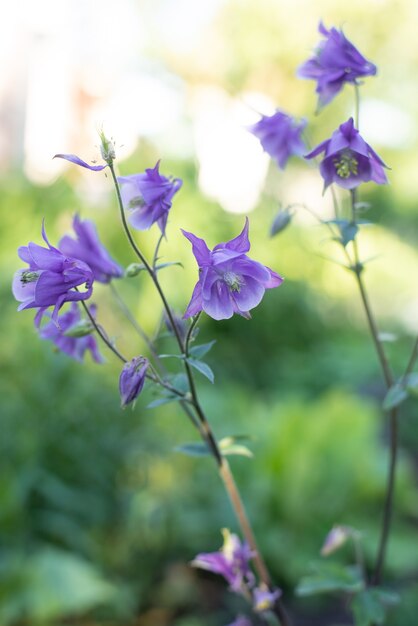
204,426
356,106
412,359
393,415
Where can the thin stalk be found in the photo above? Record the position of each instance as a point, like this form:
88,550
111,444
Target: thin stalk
204,426
356,106
102,334
141,332
412,359
393,415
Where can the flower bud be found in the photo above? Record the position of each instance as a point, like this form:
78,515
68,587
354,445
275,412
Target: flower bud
80,329
335,539
107,148
133,269
132,379
280,222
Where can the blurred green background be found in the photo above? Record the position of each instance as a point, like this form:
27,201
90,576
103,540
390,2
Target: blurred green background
99,515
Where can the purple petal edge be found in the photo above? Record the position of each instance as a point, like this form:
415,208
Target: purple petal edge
75,159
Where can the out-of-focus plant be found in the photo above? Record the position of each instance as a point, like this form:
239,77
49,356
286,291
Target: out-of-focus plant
229,282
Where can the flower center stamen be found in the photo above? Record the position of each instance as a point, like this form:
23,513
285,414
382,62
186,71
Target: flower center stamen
233,281
346,165
29,277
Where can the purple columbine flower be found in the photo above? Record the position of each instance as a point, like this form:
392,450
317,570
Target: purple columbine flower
132,379
88,248
231,562
70,336
280,136
148,197
349,160
229,282
336,62
50,280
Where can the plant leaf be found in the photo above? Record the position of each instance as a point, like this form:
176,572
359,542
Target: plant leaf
394,397
203,368
193,449
328,577
199,351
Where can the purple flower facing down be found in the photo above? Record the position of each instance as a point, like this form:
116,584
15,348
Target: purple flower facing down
50,280
336,62
349,160
231,562
229,281
148,197
65,333
280,136
88,248
132,379
264,599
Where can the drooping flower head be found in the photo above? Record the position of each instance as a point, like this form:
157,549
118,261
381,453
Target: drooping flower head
50,280
132,379
147,197
349,160
88,248
280,136
229,281
232,562
336,62
71,336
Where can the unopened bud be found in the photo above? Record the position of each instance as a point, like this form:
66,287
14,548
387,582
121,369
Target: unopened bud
133,269
335,539
280,222
80,329
107,148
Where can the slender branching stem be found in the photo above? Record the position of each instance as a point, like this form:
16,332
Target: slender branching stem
356,106
141,332
204,426
412,359
393,414
103,336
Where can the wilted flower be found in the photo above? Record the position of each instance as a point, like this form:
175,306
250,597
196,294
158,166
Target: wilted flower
147,197
132,379
264,599
71,336
50,280
280,136
336,62
231,562
229,282
349,160
88,248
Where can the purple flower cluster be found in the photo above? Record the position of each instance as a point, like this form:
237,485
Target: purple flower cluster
229,281
280,136
336,62
64,274
51,279
232,562
148,197
349,160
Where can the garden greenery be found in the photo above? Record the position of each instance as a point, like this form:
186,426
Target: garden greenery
58,283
